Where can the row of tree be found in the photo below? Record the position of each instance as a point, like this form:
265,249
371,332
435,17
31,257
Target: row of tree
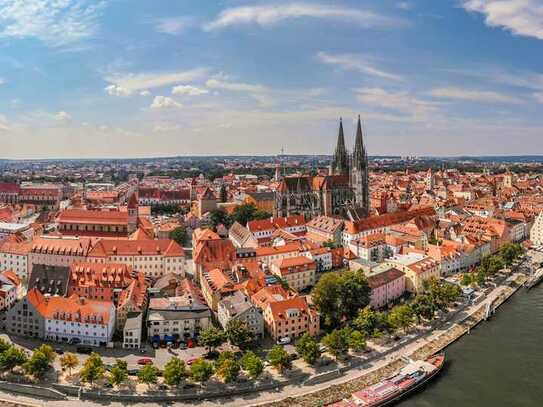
491,264
242,214
12,357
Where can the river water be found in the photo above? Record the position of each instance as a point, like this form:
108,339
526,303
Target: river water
499,364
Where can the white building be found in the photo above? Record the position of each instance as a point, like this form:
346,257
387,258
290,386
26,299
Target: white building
15,256
536,233
78,320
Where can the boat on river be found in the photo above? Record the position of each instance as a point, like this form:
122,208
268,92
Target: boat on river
534,279
413,376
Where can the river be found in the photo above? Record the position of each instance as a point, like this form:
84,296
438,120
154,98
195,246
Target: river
499,364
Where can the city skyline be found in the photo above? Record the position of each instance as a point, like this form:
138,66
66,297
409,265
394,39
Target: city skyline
82,79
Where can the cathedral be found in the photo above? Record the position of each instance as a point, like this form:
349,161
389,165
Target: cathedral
343,192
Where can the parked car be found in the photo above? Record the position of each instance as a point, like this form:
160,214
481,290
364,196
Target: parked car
145,361
191,343
84,349
283,341
182,345
190,361
59,351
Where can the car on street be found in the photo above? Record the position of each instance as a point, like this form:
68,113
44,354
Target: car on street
84,349
190,361
59,351
145,361
283,341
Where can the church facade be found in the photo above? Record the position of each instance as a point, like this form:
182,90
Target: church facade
343,192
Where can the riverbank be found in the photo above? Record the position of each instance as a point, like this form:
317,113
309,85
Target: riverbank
438,341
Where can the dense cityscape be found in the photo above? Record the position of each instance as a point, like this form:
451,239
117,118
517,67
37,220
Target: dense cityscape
272,203
120,276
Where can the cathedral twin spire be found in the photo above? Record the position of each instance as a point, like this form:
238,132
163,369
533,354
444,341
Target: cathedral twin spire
340,162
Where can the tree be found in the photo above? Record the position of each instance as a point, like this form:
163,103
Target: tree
4,345
423,307
148,374
371,322
510,252
38,364
308,348
93,369
337,342
239,333
175,372
252,364
357,341
480,278
11,357
228,369
201,370
69,361
244,213
179,234
401,317
467,279
279,358
340,296
118,373
325,296
219,217
354,293
49,352
211,338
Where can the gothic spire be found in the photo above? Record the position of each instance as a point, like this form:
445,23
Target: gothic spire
359,152
340,163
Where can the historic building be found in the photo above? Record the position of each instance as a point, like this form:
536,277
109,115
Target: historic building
344,192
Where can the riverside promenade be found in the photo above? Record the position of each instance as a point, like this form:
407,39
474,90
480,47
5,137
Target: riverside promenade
351,378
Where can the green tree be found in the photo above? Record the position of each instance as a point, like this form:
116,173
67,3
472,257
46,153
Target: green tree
252,364
212,338
219,217
337,342
118,373
49,352
175,372
371,322
228,369
308,347
357,341
510,252
279,358
325,296
401,317
38,363
179,234
467,279
148,374
480,278
340,296
93,369
4,345
201,370
244,213
69,361
12,357
423,307
239,333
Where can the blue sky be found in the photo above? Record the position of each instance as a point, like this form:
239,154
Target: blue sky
133,78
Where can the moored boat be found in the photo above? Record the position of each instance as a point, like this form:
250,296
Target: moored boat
390,390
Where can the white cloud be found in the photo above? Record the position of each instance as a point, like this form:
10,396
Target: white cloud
4,125
116,90
145,93
521,17
2,81
63,116
236,87
404,5
164,102
399,101
538,96
358,63
188,90
474,95
174,25
54,22
131,82
272,14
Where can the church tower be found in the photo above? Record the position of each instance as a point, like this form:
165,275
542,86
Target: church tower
340,162
359,172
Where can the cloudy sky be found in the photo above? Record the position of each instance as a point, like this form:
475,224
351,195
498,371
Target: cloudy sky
133,78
